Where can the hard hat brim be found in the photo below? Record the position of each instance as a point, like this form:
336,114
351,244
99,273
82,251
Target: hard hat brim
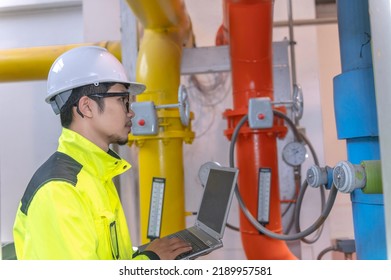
136,88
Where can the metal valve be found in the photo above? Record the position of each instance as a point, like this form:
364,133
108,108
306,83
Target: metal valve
297,102
319,176
347,176
316,176
145,120
260,111
183,105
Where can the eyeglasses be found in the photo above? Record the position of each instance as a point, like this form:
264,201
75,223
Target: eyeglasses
125,100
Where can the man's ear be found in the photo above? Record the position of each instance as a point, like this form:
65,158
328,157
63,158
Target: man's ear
84,107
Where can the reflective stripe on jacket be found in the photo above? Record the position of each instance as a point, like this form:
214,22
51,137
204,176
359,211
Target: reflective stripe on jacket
71,209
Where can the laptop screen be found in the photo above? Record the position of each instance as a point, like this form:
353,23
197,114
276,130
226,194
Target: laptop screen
217,197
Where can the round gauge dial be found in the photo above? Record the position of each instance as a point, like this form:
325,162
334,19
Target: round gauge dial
294,153
203,172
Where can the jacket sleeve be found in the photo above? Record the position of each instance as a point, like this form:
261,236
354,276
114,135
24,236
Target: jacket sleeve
145,255
60,225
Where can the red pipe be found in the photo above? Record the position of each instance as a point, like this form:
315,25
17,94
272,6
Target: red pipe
247,28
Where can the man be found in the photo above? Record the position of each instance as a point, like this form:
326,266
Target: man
71,209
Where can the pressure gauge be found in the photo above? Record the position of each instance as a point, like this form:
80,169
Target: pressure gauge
294,153
203,172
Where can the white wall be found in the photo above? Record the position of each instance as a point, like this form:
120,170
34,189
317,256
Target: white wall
30,129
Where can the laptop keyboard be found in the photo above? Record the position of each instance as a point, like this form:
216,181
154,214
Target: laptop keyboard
195,242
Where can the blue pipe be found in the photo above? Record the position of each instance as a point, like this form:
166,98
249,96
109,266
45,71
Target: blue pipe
356,121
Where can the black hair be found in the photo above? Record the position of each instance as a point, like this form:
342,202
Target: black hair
66,113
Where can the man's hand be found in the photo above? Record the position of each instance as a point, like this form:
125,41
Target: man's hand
168,248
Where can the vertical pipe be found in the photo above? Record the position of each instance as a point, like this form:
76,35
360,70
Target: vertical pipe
292,42
380,18
166,31
249,26
161,156
356,120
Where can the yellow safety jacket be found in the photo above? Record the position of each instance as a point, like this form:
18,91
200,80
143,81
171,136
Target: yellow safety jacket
71,209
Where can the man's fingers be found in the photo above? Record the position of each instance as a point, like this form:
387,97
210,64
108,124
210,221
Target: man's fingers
169,248
176,241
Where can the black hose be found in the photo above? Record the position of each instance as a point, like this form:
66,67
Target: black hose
302,138
250,217
323,252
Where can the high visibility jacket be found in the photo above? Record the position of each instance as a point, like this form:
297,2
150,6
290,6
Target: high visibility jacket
71,209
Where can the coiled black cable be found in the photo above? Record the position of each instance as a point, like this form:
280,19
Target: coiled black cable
250,217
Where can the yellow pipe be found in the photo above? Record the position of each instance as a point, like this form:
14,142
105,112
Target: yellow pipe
27,64
166,30
161,14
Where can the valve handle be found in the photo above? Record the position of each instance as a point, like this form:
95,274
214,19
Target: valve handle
183,105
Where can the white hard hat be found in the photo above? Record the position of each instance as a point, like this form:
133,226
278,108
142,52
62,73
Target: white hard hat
84,66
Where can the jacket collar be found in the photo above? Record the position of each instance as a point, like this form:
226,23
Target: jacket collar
100,163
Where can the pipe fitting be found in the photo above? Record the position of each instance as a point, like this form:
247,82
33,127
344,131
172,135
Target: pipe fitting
348,177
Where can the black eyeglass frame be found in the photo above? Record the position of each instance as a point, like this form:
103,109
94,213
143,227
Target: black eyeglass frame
109,94
104,95
113,94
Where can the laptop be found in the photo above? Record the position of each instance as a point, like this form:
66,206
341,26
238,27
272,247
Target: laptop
208,230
